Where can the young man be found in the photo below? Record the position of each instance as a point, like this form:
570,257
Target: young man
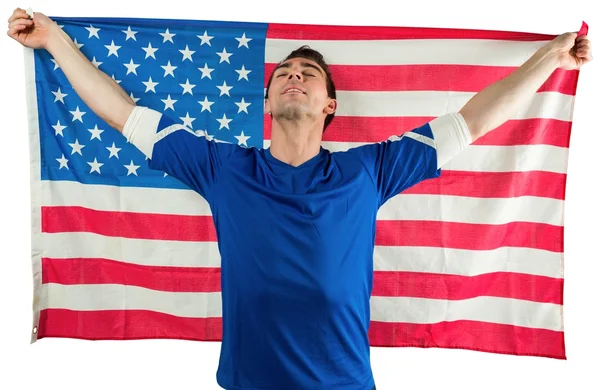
296,223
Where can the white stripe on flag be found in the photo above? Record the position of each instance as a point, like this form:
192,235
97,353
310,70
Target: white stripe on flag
486,309
130,250
553,105
388,309
410,51
495,211
123,297
132,199
386,258
467,262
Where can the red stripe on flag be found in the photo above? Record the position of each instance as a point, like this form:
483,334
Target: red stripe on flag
316,32
105,271
538,131
494,184
474,335
459,78
141,324
455,287
386,283
57,219
389,233
126,325
469,236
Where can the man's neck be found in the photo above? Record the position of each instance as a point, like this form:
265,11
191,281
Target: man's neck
293,144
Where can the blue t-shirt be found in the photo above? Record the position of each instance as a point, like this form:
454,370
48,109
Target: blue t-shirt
296,247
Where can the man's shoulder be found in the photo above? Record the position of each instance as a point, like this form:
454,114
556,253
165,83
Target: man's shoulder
350,157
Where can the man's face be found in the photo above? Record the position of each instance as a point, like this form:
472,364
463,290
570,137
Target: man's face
298,91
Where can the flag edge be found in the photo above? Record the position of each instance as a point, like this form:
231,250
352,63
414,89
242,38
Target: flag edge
35,189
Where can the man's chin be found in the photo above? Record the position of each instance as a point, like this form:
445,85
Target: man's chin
290,112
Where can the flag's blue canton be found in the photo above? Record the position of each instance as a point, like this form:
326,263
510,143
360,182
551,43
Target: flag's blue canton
212,82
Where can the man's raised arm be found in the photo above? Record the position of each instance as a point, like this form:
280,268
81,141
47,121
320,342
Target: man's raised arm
496,103
101,93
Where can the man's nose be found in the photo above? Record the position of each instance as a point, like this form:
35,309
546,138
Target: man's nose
295,75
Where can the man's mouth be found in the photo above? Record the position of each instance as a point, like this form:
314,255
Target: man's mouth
292,90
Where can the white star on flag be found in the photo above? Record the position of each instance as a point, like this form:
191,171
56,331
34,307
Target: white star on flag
169,102
167,36
224,89
224,122
149,51
150,85
95,133
187,53
93,31
63,162
58,128
78,115
77,147
112,49
131,67
243,41
242,139
168,69
59,96
114,151
205,71
242,106
205,39
206,104
95,165
243,73
130,33
224,56
187,120
187,87
131,169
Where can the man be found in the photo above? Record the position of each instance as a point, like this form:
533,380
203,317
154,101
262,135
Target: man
296,223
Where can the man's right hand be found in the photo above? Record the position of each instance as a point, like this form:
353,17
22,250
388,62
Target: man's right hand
103,95
33,33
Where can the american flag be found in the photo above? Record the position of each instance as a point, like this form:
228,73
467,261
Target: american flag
472,260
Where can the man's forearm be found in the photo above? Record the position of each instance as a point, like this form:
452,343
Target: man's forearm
102,94
496,103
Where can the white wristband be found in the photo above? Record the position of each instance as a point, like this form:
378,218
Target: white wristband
140,128
451,135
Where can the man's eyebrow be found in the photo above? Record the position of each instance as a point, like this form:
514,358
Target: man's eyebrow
304,64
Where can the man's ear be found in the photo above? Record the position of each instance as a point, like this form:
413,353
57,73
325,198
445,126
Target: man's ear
331,107
267,107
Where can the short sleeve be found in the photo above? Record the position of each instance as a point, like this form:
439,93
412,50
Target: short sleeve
403,161
177,150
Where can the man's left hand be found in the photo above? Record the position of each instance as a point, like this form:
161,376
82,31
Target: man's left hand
573,51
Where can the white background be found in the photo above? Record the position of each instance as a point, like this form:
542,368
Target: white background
173,364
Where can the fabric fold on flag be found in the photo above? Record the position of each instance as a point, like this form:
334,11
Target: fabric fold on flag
473,259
